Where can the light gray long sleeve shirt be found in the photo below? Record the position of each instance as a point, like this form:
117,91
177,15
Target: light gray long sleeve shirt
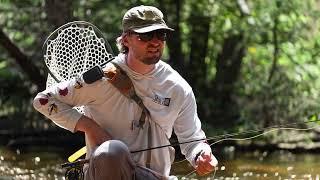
167,96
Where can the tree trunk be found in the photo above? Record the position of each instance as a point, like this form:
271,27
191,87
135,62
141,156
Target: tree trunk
171,10
228,70
197,68
58,12
23,61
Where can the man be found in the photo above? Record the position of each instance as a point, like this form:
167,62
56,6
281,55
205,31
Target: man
114,124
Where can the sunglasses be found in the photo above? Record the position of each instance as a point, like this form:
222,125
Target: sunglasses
148,36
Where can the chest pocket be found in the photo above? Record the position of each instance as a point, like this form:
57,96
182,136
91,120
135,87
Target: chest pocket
164,116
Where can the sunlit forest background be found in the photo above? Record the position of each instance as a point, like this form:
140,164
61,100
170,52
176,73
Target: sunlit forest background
253,64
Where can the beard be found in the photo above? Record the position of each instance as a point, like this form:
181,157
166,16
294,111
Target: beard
152,59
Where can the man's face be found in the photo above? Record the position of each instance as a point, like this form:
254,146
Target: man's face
146,47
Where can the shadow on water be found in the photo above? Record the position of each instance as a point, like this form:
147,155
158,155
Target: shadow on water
45,163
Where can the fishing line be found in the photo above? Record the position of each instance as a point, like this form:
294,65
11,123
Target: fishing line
229,136
74,169
226,136
269,130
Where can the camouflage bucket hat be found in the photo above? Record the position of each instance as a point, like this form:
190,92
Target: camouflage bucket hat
143,19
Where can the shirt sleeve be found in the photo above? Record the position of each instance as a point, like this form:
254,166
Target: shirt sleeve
188,128
57,102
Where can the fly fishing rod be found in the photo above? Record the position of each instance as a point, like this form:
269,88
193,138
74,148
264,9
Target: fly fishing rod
74,169
218,138
84,161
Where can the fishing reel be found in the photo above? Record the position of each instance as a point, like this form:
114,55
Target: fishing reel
75,170
74,173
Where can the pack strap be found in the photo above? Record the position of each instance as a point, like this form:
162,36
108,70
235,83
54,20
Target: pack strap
119,79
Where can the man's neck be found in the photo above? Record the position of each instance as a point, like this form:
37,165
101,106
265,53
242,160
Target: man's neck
138,66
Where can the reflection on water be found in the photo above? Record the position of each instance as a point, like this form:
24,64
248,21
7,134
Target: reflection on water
32,165
45,164
259,165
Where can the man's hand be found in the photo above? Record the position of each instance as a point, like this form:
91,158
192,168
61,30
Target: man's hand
95,134
205,163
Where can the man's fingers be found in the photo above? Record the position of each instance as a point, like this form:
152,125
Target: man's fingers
206,156
202,171
204,166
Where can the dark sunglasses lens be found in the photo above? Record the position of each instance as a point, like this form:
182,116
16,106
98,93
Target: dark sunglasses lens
161,35
146,36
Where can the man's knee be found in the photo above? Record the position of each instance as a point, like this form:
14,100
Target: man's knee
110,151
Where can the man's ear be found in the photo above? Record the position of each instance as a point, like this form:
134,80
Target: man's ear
125,40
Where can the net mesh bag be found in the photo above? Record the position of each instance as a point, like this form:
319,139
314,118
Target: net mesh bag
74,50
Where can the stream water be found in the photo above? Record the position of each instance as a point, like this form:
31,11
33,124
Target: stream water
45,163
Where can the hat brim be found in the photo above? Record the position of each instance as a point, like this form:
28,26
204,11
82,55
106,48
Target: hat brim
152,28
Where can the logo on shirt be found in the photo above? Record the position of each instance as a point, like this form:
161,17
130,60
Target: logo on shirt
161,100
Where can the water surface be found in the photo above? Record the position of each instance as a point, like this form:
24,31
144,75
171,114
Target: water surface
45,163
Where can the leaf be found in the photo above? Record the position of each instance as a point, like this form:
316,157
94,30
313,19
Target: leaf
3,64
314,118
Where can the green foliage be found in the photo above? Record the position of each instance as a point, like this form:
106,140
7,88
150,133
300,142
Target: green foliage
288,94
21,22
292,94
15,94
